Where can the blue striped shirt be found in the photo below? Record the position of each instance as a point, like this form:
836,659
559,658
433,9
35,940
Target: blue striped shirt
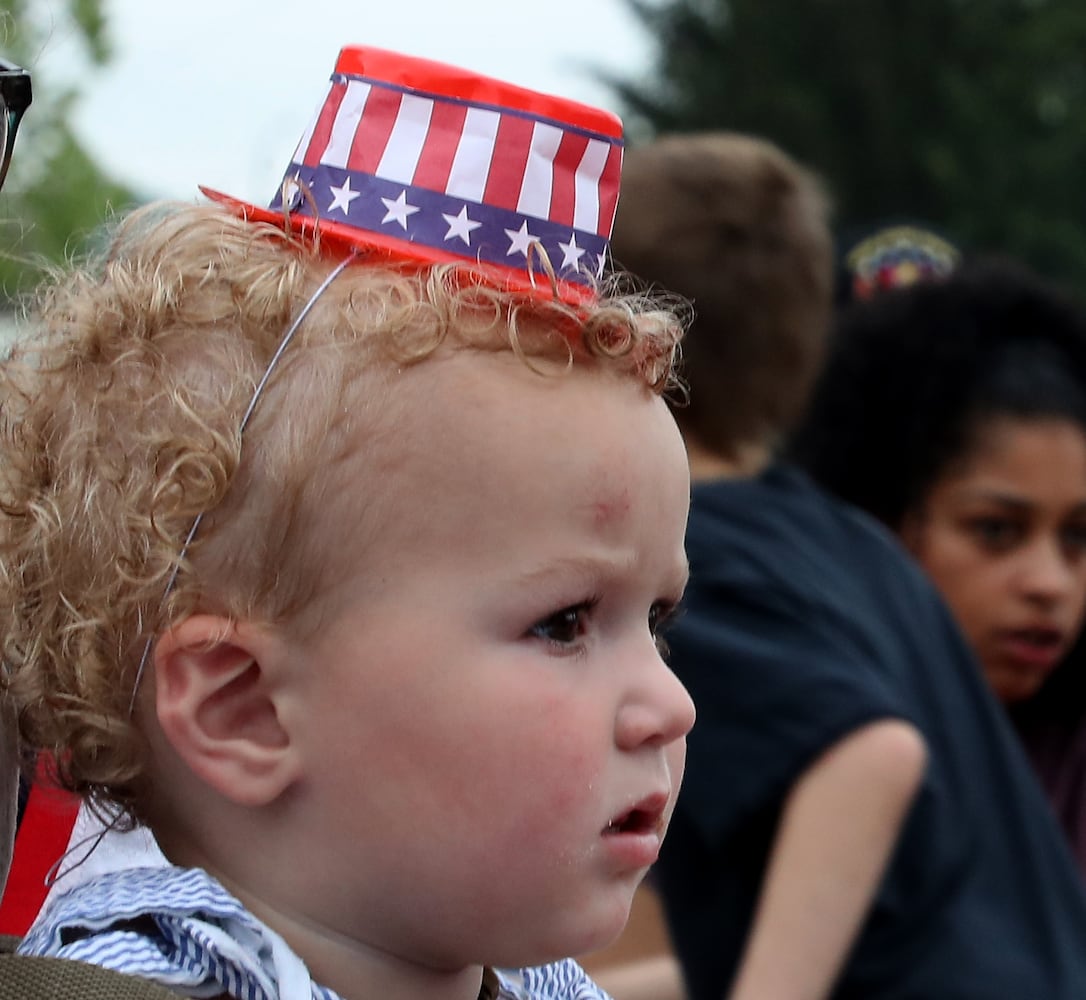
181,928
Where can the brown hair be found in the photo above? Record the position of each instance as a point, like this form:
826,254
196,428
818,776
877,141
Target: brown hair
121,424
736,226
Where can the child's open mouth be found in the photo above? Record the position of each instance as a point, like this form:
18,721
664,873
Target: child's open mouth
635,821
646,816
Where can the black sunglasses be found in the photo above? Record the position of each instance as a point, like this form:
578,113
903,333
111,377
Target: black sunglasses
15,98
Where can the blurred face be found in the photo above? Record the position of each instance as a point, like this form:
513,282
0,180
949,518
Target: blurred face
1003,535
497,743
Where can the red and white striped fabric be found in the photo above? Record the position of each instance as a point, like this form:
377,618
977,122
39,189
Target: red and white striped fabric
436,163
531,166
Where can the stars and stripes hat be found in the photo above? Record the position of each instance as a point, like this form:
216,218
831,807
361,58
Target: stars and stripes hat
424,161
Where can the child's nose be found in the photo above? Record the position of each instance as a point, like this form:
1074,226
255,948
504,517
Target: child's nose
657,711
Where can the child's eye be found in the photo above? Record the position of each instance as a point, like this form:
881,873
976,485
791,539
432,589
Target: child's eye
565,627
661,615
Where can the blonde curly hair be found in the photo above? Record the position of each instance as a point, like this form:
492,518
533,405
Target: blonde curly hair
121,417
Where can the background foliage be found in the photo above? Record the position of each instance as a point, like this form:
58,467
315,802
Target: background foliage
55,194
964,114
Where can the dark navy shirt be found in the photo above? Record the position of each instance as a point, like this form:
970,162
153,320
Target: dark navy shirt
803,621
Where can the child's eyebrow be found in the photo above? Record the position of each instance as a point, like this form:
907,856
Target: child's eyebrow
591,568
588,567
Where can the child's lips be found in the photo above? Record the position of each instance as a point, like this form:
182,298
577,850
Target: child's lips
644,817
633,837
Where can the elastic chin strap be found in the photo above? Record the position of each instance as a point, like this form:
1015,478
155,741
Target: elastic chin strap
284,343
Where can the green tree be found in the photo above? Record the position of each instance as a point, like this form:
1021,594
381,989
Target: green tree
966,114
55,194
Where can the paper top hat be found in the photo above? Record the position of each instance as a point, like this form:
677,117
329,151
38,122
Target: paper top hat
427,162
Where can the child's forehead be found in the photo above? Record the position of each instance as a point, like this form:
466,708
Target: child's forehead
503,428
474,442
503,383
469,401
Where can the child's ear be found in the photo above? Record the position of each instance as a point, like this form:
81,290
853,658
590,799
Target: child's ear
216,703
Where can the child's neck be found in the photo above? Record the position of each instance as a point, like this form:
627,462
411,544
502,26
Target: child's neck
357,971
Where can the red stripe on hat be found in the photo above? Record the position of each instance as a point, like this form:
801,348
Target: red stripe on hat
439,150
511,147
322,131
563,189
371,136
463,84
609,181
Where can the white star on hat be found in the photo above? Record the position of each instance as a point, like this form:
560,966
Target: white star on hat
460,225
571,253
398,210
291,191
343,196
520,240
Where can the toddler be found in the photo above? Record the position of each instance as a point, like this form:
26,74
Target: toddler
336,554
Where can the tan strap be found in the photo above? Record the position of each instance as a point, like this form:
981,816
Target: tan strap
26,977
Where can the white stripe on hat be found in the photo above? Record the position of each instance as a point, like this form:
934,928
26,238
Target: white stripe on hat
586,186
474,153
307,136
535,191
408,136
346,124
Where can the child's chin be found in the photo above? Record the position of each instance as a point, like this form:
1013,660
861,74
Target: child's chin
605,930
576,941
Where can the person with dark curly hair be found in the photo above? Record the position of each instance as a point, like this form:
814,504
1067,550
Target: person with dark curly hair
955,412
857,818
